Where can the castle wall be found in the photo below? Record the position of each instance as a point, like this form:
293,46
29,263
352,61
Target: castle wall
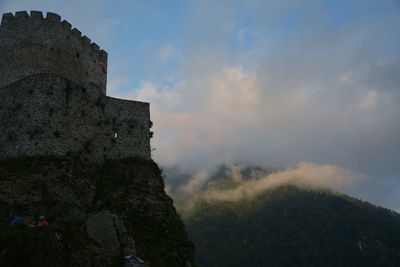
33,44
45,114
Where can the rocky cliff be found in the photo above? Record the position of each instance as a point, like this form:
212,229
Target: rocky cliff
97,213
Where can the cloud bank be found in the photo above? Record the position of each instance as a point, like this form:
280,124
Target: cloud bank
320,91
305,175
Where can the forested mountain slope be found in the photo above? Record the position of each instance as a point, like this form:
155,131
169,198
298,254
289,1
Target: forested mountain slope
289,226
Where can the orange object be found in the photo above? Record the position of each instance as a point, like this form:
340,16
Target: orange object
42,225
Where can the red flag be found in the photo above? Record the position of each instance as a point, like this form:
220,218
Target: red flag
102,66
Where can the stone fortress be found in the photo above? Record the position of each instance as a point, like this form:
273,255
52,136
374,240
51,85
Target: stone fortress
53,95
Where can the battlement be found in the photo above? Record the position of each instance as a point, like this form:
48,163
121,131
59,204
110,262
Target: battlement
53,95
32,44
37,17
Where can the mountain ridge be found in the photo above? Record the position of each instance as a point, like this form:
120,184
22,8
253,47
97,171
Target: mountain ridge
292,226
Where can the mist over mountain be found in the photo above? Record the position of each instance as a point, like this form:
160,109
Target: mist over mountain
234,183
248,216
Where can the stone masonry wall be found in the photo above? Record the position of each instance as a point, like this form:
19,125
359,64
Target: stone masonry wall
31,44
45,114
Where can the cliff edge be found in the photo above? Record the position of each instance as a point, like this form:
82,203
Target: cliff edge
97,212
73,156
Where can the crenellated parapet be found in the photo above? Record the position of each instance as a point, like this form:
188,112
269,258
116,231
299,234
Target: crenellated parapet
33,44
53,95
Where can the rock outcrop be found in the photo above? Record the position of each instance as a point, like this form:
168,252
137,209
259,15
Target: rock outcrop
97,212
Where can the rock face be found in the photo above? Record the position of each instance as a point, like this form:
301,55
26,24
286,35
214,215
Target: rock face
98,213
110,233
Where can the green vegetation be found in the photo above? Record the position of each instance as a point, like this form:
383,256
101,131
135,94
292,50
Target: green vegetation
289,226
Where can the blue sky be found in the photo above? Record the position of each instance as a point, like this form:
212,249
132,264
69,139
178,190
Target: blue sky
270,83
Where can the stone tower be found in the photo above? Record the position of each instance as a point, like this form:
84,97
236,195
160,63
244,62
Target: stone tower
53,95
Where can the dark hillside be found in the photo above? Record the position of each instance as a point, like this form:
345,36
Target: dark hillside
289,226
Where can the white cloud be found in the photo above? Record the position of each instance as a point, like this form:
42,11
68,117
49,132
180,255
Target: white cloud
164,97
114,84
368,100
235,172
233,91
196,182
167,52
304,174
